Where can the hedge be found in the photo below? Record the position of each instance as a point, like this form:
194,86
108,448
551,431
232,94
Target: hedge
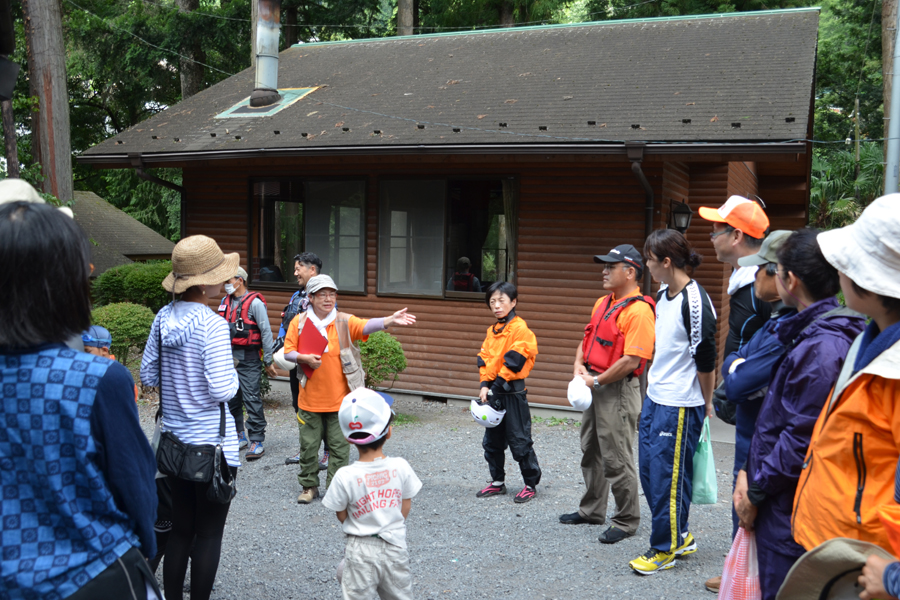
136,283
128,324
382,359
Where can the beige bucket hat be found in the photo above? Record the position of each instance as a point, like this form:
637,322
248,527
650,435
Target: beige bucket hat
198,260
868,251
19,190
829,571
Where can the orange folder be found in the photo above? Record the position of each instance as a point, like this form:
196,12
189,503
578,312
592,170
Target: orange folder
310,342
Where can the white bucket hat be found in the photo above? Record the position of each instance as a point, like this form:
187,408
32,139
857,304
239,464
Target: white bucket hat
829,571
320,282
579,395
485,415
868,251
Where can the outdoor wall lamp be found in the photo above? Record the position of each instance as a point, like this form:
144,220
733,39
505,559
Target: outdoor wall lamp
681,215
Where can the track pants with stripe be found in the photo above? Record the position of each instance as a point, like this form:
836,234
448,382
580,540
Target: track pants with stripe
668,436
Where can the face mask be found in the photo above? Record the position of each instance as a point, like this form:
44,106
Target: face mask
229,289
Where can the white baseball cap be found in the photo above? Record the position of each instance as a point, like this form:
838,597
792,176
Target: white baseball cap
365,414
485,415
868,251
579,394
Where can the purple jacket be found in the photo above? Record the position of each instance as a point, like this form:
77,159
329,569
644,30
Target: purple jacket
817,340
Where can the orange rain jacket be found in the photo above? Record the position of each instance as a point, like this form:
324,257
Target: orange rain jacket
852,458
509,354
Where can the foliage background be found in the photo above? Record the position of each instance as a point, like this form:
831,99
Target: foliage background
128,324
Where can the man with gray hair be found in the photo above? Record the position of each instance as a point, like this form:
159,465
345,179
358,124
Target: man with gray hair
248,321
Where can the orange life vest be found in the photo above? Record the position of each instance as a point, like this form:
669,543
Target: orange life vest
603,342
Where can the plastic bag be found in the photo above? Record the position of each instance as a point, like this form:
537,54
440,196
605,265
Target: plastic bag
740,579
705,488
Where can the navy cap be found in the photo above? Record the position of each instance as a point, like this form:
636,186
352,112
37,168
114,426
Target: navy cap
97,336
623,253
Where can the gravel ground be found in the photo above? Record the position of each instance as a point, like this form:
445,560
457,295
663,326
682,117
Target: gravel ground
460,546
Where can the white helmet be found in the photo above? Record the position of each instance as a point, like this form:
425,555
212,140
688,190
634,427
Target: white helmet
284,365
579,394
485,415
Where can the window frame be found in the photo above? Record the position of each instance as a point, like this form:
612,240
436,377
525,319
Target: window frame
253,225
447,178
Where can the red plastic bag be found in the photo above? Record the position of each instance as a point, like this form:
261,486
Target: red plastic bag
740,579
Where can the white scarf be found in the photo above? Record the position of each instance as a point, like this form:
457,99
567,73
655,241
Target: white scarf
741,277
322,324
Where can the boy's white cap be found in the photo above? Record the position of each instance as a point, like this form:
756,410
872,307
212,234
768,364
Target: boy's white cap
868,251
283,364
485,415
579,394
366,412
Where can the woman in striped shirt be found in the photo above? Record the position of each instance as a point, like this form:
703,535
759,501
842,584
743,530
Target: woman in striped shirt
189,350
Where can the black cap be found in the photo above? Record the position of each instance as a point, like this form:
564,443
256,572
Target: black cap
624,253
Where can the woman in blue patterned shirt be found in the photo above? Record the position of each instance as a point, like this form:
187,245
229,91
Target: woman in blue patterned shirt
77,473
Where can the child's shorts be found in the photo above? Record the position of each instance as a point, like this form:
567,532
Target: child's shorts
370,565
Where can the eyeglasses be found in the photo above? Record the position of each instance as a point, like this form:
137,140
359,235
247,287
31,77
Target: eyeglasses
714,234
610,267
326,295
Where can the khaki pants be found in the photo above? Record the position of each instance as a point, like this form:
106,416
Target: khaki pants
607,433
370,565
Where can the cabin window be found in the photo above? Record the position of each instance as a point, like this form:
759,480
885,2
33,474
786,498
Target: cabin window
326,217
444,238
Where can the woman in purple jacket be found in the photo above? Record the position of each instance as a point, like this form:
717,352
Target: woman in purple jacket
817,339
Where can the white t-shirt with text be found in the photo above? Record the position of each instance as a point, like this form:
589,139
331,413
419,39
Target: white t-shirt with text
372,494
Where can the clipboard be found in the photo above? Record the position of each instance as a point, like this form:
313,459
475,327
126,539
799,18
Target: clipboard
310,341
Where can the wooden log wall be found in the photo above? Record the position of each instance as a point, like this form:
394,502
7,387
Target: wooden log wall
569,210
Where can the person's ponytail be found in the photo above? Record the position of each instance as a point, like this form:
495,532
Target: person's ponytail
671,244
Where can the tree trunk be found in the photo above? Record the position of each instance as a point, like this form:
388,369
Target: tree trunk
254,18
191,71
291,31
9,136
404,17
506,14
47,75
888,35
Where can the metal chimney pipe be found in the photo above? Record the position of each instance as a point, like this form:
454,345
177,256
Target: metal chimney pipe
268,26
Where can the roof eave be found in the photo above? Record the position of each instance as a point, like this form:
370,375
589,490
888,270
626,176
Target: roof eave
651,148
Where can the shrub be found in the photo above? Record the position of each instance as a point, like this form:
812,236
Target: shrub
137,283
382,359
128,324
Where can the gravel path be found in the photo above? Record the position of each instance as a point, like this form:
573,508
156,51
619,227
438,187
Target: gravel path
460,546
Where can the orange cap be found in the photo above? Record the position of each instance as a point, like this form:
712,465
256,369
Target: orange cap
741,213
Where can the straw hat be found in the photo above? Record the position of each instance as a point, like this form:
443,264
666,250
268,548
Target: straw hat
197,260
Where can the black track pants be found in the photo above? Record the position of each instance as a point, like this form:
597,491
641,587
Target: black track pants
513,431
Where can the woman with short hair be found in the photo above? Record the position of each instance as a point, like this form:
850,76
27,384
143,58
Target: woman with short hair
321,396
188,355
77,472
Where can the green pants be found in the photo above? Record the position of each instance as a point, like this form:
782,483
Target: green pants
314,427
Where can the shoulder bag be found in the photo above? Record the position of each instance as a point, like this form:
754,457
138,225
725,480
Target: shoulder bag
351,359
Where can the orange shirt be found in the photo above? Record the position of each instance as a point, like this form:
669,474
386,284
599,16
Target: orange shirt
637,324
327,387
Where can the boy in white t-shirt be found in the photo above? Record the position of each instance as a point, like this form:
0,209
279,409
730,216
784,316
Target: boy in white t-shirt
372,498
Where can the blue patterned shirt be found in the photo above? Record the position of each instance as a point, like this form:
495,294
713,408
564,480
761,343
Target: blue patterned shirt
76,470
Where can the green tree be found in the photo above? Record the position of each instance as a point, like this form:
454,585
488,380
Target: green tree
128,325
837,195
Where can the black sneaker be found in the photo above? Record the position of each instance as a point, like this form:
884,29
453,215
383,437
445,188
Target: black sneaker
492,490
613,535
574,518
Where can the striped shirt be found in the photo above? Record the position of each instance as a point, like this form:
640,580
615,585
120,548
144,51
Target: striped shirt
197,374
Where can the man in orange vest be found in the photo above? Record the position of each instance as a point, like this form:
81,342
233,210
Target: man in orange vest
248,321
614,352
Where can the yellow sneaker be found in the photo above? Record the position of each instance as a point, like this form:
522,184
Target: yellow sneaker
688,547
652,561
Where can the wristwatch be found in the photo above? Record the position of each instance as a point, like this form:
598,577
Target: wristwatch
596,383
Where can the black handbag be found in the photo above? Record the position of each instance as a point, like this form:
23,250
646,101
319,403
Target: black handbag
223,485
